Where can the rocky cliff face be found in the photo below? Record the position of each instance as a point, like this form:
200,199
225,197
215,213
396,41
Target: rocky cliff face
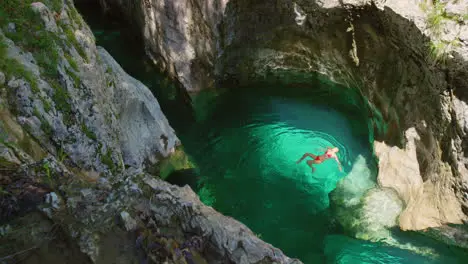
182,37
89,110
77,134
407,58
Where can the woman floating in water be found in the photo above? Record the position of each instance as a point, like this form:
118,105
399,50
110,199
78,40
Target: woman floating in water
330,153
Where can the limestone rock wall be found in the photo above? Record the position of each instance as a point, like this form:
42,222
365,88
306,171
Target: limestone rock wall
76,135
87,108
181,36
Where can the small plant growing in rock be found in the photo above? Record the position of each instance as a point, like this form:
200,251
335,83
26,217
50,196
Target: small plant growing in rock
48,174
439,50
62,155
89,133
61,99
45,126
72,62
435,14
73,41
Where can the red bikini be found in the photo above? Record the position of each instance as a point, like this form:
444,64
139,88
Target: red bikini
320,157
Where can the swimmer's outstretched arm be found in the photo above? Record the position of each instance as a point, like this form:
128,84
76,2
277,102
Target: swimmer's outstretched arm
339,164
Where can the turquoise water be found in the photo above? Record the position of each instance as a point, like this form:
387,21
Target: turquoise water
246,143
247,152
246,149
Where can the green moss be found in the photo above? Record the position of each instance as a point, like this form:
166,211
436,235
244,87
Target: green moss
48,61
73,41
31,36
55,5
178,160
47,106
75,17
107,160
61,99
30,33
12,67
45,126
75,78
71,61
90,134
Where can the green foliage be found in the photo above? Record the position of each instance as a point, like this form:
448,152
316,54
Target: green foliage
55,5
72,62
72,39
48,61
3,134
436,16
45,126
61,99
76,80
48,174
62,155
75,17
90,134
30,33
107,160
12,67
47,106
439,51
3,192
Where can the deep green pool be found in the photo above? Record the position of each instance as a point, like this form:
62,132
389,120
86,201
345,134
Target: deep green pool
246,142
247,149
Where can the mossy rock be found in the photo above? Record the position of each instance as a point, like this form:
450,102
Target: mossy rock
179,160
18,138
